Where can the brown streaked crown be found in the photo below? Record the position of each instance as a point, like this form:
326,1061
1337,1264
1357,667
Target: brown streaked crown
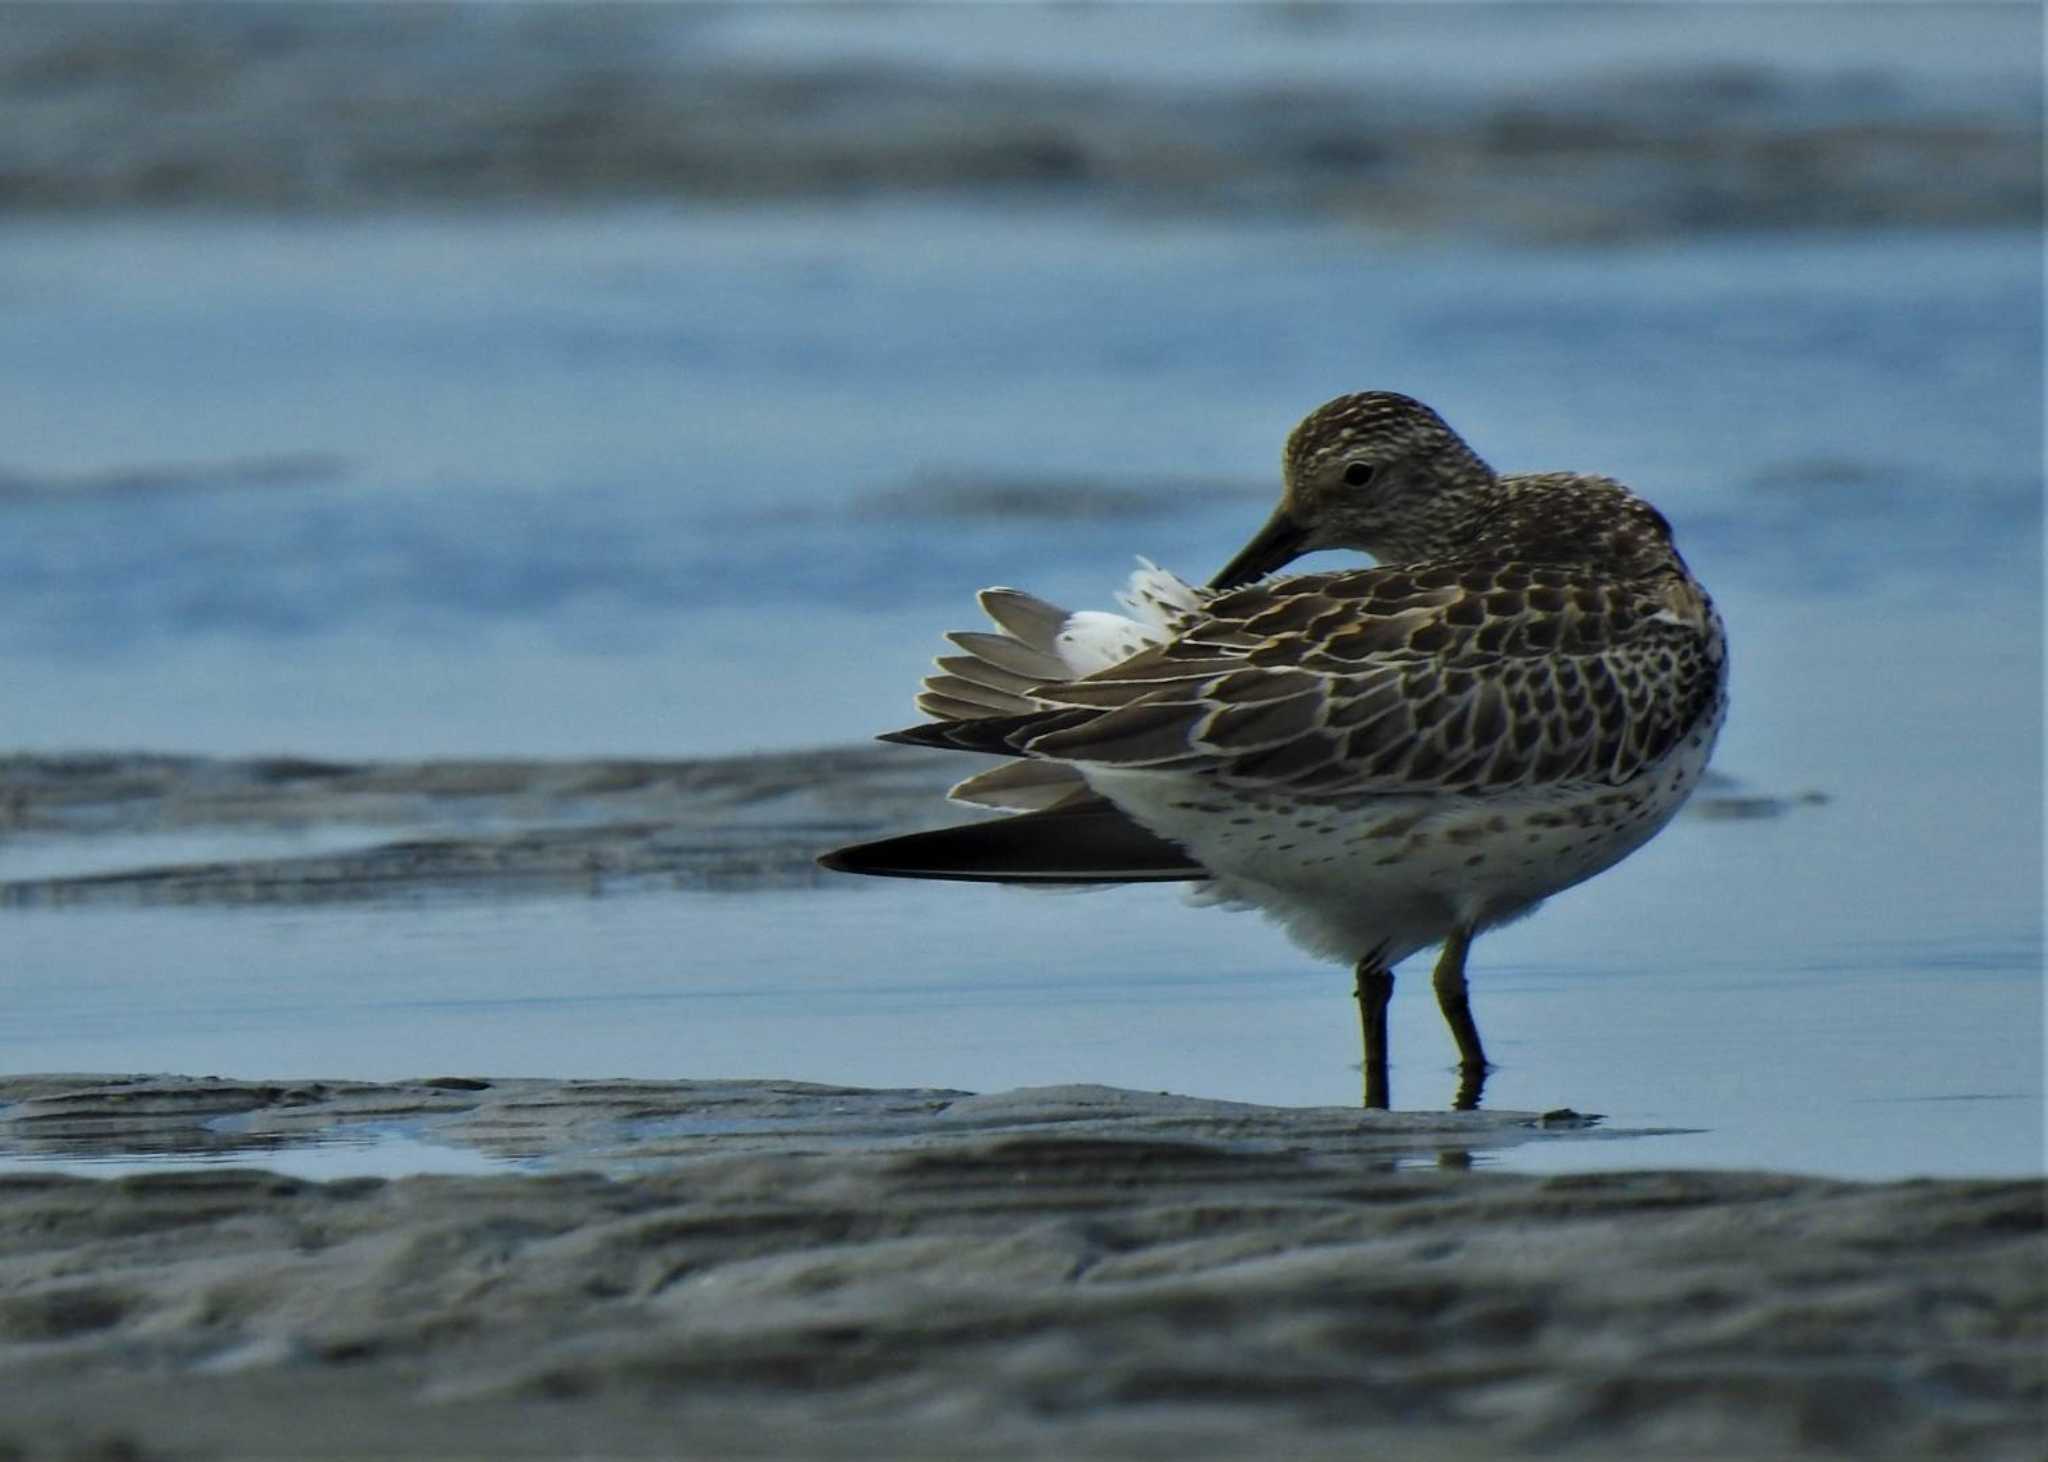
1381,472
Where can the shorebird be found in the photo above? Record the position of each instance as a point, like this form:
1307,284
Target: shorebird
1522,693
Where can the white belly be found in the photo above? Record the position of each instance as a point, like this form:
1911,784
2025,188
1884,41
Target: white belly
1388,875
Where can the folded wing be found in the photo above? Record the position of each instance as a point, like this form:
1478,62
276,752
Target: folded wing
1463,677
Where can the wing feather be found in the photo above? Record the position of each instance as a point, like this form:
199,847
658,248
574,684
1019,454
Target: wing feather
1038,643
989,700
990,676
1471,677
1026,618
944,707
1014,656
1027,784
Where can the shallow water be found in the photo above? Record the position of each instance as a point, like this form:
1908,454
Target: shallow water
1661,996
1851,987
635,482
691,483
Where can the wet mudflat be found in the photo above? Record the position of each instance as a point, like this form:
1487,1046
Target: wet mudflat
824,1272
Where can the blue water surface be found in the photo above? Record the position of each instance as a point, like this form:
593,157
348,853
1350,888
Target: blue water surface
696,482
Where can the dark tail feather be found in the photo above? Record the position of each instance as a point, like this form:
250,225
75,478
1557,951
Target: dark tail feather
1085,841
1001,735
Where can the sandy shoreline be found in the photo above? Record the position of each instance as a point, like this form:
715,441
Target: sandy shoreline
778,1269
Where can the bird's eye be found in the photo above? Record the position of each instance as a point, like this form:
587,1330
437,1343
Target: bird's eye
1358,474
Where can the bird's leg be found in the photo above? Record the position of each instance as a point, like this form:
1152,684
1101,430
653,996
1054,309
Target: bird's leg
1374,989
1471,1087
1452,999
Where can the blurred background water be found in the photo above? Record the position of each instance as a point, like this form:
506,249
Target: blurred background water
387,381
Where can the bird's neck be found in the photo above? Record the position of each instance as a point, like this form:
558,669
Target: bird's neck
1566,518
